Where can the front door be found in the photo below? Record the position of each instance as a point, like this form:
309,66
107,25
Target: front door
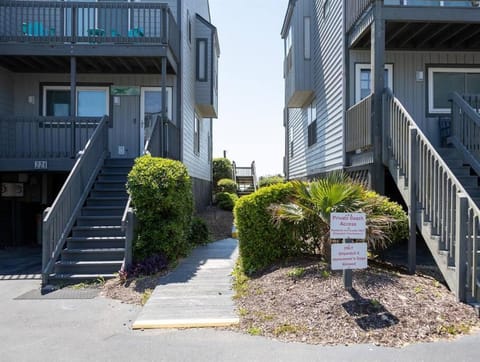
151,111
124,135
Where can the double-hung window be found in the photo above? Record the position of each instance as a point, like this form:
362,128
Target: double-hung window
363,80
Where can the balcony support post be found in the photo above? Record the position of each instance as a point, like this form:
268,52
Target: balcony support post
73,101
378,85
164,124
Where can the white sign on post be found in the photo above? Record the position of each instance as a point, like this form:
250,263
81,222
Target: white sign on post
344,225
349,256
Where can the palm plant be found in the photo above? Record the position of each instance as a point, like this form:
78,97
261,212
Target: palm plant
312,203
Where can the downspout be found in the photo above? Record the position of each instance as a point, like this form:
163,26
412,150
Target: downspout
179,82
164,122
378,85
73,102
346,82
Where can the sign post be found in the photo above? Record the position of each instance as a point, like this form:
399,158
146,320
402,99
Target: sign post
348,255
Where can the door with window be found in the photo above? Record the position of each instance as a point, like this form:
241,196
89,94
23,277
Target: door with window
151,111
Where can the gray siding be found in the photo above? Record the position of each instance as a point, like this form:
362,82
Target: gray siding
6,92
298,78
327,153
199,165
206,91
297,135
412,93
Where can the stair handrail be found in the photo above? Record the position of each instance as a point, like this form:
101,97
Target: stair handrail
128,217
465,130
147,149
59,219
444,201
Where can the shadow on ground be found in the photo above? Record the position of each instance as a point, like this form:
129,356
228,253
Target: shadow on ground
21,263
369,314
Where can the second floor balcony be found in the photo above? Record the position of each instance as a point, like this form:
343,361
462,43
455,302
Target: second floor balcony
416,24
88,27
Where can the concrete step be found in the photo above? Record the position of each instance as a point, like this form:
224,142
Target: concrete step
107,201
87,267
104,254
102,211
95,242
77,278
104,220
96,231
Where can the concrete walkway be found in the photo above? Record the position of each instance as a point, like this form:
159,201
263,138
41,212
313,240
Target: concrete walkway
197,293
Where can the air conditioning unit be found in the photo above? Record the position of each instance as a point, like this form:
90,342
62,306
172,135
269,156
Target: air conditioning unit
12,189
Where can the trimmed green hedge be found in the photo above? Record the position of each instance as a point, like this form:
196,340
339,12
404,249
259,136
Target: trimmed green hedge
222,168
398,231
260,242
227,185
161,192
226,200
270,180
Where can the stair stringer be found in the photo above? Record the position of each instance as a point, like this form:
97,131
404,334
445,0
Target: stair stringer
432,240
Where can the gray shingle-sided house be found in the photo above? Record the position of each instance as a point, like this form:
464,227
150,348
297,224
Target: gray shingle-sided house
390,89
86,87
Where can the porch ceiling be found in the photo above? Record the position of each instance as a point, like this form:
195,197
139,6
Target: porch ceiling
85,64
426,36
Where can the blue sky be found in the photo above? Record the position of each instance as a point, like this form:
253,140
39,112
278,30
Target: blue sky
251,86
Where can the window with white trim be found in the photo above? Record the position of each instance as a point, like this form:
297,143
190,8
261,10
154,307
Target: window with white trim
363,80
443,81
312,123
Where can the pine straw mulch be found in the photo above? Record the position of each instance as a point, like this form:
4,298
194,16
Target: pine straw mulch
306,302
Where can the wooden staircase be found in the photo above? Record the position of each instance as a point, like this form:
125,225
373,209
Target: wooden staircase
96,246
441,190
245,178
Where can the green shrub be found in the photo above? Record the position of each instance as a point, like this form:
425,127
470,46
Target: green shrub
270,180
161,192
199,233
227,185
222,168
226,200
260,242
398,230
